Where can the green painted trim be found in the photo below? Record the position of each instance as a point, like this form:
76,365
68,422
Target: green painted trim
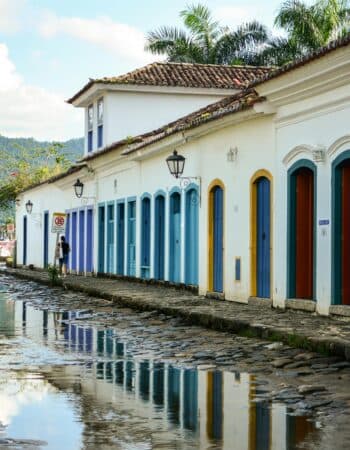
291,232
336,228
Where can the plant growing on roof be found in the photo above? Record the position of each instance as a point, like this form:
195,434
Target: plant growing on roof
204,40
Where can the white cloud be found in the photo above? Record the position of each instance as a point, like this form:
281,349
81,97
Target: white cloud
234,15
118,39
31,111
11,15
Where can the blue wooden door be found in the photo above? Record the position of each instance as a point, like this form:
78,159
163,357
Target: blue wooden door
159,236
120,238
89,240
74,241
263,237
81,241
101,239
110,239
218,233
175,238
68,237
46,239
191,233
25,239
132,238
145,238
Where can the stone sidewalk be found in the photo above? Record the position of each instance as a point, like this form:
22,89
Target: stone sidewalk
326,335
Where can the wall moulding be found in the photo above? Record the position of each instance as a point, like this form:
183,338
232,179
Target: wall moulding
315,153
341,144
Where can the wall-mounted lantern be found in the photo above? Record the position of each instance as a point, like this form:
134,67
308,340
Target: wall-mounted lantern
78,188
29,207
176,165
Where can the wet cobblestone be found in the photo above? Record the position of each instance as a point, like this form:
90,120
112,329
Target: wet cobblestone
299,329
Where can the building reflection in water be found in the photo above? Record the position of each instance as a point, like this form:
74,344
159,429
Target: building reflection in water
216,406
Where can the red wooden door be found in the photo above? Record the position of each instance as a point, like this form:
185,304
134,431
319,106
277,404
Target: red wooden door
304,234
345,250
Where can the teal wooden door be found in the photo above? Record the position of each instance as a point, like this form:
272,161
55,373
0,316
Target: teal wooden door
110,239
159,237
175,238
120,238
101,239
132,238
191,233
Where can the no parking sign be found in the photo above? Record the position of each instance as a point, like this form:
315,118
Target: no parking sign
59,222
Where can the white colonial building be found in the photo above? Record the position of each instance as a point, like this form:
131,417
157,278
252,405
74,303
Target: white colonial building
262,209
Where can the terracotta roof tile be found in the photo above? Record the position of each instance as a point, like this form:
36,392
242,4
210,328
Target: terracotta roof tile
334,45
184,75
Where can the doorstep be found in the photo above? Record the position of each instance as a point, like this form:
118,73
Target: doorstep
340,310
215,295
300,304
261,302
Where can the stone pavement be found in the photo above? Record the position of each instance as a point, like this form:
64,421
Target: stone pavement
299,329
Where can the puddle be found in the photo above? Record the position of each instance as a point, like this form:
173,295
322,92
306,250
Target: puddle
71,385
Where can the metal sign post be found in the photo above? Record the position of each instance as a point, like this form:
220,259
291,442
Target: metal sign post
58,227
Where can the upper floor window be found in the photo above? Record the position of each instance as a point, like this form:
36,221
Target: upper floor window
100,123
90,117
100,111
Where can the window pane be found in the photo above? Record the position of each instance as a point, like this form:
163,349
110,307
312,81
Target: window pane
100,110
90,116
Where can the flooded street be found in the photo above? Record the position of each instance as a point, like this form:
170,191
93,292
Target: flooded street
79,373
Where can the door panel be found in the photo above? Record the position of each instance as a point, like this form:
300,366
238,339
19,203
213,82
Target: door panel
25,239
175,238
101,239
146,238
159,247
218,240
263,237
110,239
304,229
46,239
121,238
191,244
89,241
81,241
74,241
132,238
345,235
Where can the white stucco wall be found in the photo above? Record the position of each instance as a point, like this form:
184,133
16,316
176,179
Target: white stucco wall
295,139
128,114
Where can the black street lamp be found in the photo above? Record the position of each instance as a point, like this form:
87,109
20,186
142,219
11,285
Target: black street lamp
78,188
176,164
29,207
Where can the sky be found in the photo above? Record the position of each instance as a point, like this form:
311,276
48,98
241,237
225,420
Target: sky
50,48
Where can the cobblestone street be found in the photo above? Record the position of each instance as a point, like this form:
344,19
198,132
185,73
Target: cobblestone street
330,335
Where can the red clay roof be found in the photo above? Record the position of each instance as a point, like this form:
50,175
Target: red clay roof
334,45
184,75
229,105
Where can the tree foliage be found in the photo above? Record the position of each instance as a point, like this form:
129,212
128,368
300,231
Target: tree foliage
25,167
204,41
305,28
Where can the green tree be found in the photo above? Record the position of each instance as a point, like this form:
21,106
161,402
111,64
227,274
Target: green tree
307,28
25,167
204,41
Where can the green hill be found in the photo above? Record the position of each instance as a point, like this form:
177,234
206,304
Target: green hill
74,148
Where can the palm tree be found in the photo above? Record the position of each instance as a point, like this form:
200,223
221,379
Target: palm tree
307,28
205,41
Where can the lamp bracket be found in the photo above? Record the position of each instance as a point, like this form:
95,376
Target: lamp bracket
186,181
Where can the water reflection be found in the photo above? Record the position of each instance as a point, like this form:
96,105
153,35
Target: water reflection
214,407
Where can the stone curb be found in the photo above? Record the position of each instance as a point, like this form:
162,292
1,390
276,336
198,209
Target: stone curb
324,345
